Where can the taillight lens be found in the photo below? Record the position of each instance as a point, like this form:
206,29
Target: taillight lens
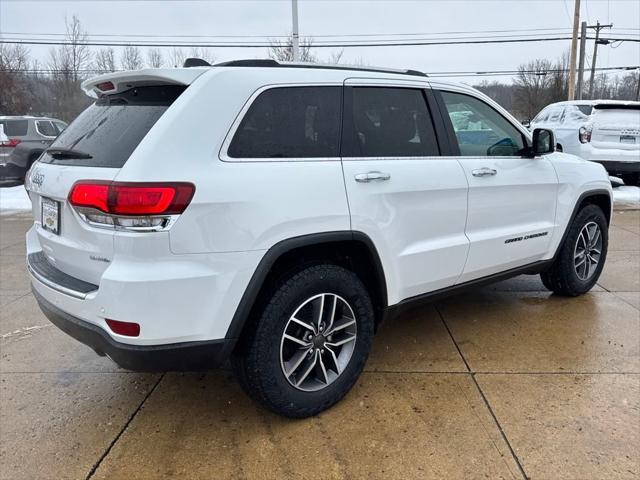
132,199
584,134
12,142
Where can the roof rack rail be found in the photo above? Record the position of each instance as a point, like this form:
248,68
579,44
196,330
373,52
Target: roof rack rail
195,62
268,62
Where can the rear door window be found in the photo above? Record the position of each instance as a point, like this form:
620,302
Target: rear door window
46,128
15,128
111,129
389,122
290,122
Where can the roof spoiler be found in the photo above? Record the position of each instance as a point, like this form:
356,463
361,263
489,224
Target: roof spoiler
117,82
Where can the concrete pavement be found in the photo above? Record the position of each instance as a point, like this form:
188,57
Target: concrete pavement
503,382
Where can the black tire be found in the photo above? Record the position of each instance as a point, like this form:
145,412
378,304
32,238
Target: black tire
257,363
631,179
562,278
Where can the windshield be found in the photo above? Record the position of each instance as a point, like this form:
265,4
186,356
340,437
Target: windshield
111,129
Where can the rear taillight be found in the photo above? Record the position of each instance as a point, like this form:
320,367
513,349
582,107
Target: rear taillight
133,206
12,142
584,134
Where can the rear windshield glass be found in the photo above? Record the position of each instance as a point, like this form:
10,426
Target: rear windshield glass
15,128
111,129
627,117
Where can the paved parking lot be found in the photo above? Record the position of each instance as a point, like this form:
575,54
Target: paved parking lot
503,382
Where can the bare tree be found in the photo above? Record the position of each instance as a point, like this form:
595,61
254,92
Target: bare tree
14,59
336,57
155,58
131,58
282,50
177,57
69,63
532,87
104,60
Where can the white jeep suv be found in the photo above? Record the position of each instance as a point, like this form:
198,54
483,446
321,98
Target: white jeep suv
275,214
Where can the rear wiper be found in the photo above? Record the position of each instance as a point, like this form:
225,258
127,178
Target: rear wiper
57,152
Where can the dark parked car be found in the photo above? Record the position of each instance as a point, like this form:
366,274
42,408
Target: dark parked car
24,140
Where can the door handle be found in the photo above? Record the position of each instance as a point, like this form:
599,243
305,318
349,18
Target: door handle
372,176
484,172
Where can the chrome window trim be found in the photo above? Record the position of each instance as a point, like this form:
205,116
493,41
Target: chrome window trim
223,154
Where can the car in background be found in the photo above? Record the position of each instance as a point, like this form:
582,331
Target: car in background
603,131
24,139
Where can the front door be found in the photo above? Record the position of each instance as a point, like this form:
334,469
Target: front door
408,199
512,199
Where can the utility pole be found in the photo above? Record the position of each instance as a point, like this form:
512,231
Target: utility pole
296,35
583,40
574,49
597,27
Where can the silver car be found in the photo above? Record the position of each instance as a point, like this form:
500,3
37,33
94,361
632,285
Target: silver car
24,139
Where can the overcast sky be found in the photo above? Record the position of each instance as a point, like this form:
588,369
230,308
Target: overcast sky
338,17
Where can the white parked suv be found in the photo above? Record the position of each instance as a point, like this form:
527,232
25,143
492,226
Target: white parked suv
275,214
603,131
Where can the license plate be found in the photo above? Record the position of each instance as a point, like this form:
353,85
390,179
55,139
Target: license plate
627,139
50,215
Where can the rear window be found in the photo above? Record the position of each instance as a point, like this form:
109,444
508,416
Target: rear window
290,122
15,128
111,128
46,128
628,117
585,109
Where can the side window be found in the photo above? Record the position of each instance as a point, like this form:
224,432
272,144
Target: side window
389,122
290,122
574,114
481,131
46,128
60,126
555,115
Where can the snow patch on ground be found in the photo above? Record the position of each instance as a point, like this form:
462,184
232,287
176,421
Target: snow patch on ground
627,196
13,199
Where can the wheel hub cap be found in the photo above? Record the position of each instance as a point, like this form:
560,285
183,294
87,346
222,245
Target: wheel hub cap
587,251
318,342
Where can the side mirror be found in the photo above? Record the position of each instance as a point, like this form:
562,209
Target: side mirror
544,141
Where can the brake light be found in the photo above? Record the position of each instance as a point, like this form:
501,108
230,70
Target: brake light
105,86
128,329
132,199
584,134
12,142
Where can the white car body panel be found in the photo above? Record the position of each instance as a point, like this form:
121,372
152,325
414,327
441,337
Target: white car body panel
434,224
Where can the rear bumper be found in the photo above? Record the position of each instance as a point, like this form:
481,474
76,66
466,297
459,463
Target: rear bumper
187,356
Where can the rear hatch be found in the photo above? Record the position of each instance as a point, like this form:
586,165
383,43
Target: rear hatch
616,126
95,146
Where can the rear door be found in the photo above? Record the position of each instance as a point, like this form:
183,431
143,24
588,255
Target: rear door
94,147
402,193
512,200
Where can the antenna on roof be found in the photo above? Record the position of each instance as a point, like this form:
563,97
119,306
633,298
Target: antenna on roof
195,62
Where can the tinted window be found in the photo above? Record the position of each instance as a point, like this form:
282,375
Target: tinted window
290,122
389,122
60,126
481,131
15,128
46,128
111,128
586,109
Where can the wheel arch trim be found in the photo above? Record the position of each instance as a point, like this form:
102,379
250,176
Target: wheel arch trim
272,255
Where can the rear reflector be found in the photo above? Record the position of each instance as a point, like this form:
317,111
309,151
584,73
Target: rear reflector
12,142
135,199
105,86
128,329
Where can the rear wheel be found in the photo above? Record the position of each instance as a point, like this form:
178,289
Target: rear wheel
581,258
310,343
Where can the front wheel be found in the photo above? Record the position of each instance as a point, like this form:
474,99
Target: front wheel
581,258
310,343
